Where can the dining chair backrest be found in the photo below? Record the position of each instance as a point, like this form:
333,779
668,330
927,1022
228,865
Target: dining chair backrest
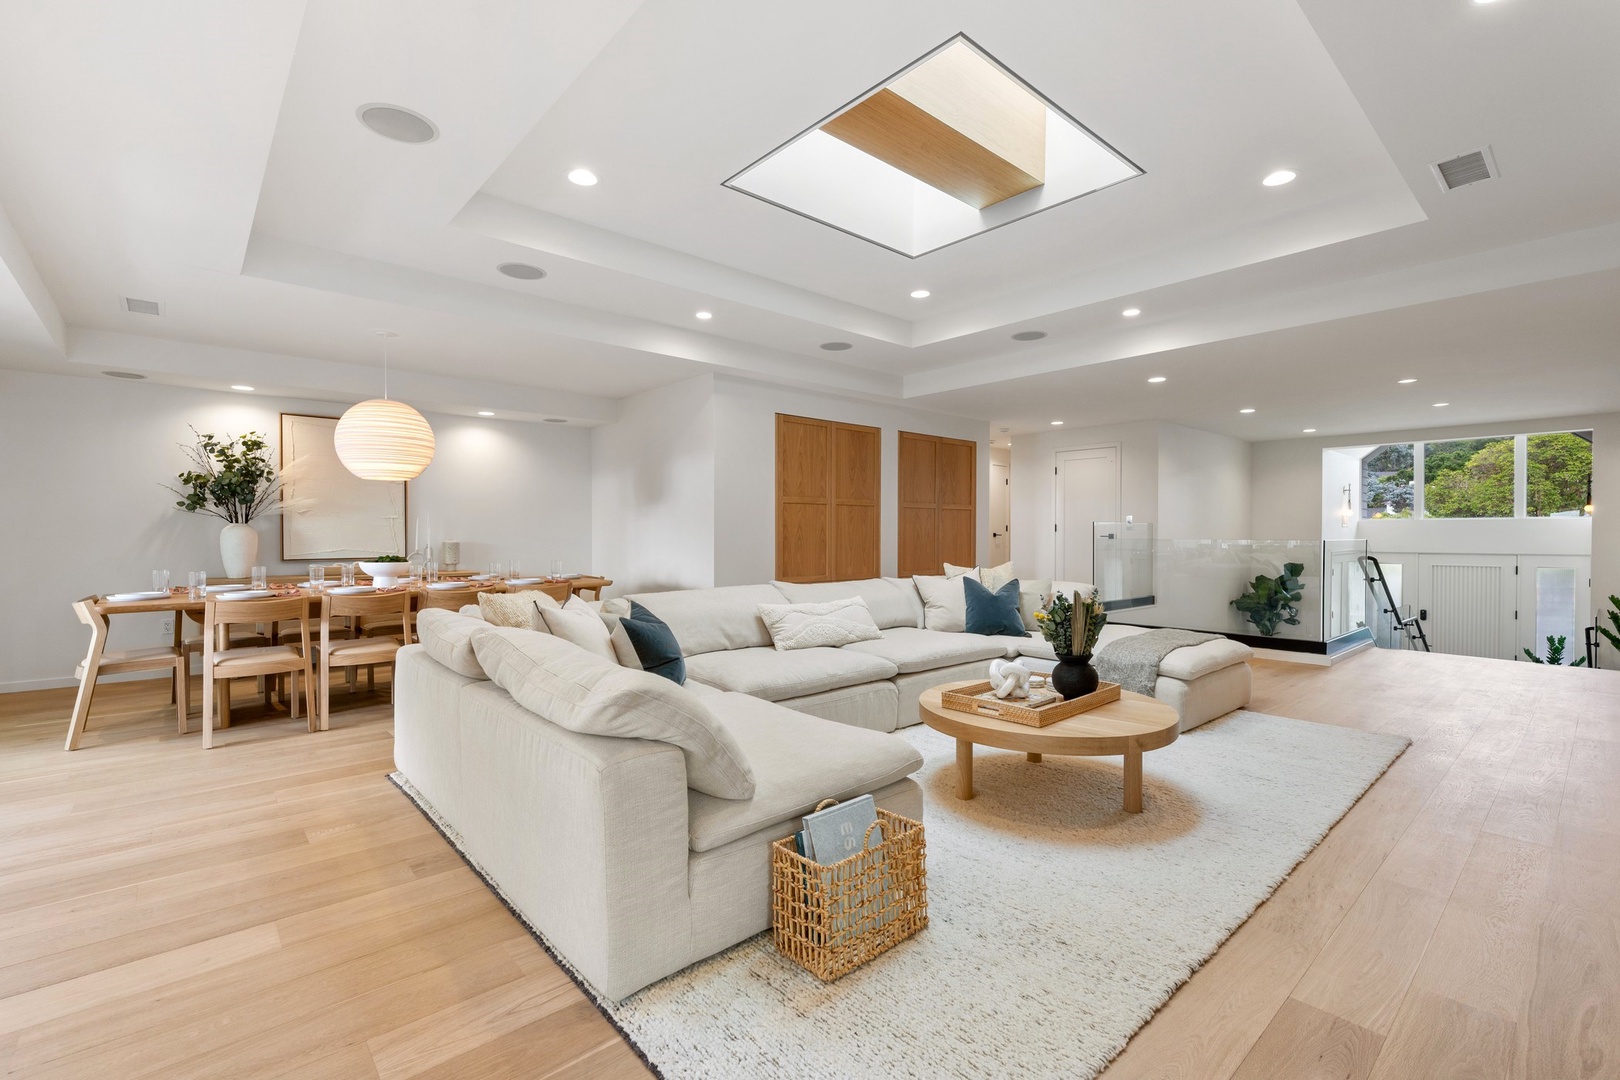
374,604
222,611
88,613
454,599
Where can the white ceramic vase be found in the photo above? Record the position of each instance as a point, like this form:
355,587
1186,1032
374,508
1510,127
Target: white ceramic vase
239,549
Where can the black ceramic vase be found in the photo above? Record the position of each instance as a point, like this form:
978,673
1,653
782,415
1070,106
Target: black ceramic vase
1074,676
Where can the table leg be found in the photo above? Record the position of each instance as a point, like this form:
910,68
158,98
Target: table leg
1036,758
964,769
1133,781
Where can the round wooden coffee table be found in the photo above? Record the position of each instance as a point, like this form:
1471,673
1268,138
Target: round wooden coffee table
1129,727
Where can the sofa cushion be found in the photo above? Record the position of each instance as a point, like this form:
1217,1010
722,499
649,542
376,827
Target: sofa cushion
642,640
772,675
714,620
571,688
944,602
472,611
908,589
911,650
825,625
515,609
990,613
1196,661
892,601
447,638
578,624
1034,595
798,761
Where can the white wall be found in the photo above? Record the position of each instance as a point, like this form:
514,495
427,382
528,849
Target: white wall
1338,471
1034,492
1204,488
745,469
653,490
82,509
1605,517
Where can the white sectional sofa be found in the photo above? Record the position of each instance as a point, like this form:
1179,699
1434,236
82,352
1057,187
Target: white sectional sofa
876,684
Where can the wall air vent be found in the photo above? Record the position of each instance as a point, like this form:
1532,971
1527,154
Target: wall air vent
142,307
1465,169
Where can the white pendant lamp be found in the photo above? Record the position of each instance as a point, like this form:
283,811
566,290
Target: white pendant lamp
382,439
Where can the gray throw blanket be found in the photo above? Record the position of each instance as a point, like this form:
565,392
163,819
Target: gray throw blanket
1133,661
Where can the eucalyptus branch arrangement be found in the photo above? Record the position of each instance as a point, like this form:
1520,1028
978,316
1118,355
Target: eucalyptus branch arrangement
231,478
1060,623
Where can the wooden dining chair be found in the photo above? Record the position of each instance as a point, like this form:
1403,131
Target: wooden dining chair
452,599
101,660
221,663
363,651
241,637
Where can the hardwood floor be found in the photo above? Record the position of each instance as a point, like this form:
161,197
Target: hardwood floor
273,907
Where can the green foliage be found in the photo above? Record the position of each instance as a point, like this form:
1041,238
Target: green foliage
1059,620
231,478
389,558
1478,485
1556,644
1614,619
1386,480
1270,602
1558,468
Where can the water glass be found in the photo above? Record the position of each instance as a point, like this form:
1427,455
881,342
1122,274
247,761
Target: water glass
346,573
261,577
430,572
511,570
556,568
317,576
199,584
160,581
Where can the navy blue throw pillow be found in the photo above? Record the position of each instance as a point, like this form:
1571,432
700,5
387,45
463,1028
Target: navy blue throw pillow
991,613
656,646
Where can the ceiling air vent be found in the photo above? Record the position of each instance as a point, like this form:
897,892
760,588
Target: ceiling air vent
1465,169
142,307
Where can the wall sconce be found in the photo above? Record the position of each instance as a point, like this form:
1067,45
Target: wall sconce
1349,510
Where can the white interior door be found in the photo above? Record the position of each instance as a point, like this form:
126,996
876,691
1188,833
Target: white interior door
1555,599
1472,601
1087,491
1000,513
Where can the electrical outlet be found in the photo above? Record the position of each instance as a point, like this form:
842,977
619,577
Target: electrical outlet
168,629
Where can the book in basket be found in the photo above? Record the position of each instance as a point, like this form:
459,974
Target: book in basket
837,833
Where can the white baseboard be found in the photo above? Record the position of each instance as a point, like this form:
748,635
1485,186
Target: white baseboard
22,686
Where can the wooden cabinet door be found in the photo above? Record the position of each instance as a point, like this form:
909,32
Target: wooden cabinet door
938,503
827,506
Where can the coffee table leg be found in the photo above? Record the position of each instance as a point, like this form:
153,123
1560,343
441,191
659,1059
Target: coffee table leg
1133,781
964,769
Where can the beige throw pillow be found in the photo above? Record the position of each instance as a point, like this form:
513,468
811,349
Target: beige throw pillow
575,622
581,692
944,602
991,577
1033,596
515,609
825,625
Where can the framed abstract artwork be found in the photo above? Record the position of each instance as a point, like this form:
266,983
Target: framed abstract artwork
326,511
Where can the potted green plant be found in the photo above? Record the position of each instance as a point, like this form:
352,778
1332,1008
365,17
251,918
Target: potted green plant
1072,627
1272,602
1556,644
232,479
1614,620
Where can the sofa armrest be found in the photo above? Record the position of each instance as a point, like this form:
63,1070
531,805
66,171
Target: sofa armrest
585,835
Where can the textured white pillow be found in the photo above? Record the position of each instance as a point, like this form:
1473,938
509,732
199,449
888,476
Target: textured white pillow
515,609
447,638
1033,596
575,622
944,603
953,571
581,692
826,625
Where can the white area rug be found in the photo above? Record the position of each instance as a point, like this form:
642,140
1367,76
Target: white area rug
1058,923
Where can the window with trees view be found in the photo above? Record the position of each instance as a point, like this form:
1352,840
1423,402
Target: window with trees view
1480,478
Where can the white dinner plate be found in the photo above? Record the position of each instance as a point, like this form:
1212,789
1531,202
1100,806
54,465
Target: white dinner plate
225,588
239,593
131,597
352,590
524,581
446,585
482,577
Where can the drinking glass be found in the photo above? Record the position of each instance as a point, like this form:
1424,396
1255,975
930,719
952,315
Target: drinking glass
430,572
511,570
261,577
160,581
199,584
346,573
556,568
317,576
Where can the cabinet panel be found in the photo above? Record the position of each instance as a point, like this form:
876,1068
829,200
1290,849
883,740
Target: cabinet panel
828,480
938,503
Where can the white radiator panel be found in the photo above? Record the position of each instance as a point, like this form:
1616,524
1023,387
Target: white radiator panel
1469,609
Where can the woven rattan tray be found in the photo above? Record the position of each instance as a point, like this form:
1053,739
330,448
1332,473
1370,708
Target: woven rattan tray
977,699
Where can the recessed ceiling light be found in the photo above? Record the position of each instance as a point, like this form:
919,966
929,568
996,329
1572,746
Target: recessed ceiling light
705,314
1131,312
836,346
1245,410
582,177
1157,379
1403,382
124,374
1057,423
1279,178
920,294
401,125
1441,404
485,412
1029,335
1309,430
244,389
555,420
521,271
1484,1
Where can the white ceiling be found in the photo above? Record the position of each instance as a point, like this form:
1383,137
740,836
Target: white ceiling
209,157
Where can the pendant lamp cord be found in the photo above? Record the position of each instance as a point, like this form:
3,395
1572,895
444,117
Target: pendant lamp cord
385,335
